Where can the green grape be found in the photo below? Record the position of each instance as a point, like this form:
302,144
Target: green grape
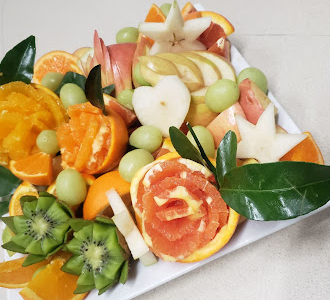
221,95
205,138
52,80
127,35
256,76
165,8
47,142
125,98
71,187
146,137
132,161
138,77
71,94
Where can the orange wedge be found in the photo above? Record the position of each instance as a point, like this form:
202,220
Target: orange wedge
36,169
307,151
55,61
24,189
96,200
13,275
220,20
187,9
52,284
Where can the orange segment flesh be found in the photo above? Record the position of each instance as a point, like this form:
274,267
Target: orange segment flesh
52,284
186,235
187,9
24,189
36,169
26,111
55,61
306,151
97,201
91,142
13,275
220,20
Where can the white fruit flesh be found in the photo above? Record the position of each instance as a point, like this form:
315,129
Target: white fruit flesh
125,224
174,34
261,141
164,105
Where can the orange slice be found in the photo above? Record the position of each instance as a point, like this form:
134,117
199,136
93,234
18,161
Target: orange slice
36,169
307,151
13,275
187,9
24,189
178,210
97,202
55,61
220,20
52,284
91,142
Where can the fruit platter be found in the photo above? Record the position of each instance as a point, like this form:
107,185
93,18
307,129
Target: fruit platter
125,165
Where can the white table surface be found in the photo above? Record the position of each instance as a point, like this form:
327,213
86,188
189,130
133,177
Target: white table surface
290,41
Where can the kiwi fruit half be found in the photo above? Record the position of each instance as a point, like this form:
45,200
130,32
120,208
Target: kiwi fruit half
98,257
41,231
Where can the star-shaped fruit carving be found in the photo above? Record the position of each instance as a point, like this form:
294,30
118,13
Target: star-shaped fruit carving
175,35
261,141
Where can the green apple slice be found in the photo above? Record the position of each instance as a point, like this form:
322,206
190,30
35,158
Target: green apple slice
224,65
190,74
209,70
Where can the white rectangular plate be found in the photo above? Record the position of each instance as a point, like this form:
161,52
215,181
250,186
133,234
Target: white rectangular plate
143,279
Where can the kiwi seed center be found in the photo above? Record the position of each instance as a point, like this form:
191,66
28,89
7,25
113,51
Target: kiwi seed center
40,226
94,255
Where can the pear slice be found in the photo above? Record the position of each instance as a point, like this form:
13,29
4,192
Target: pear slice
190,74
153,68
209,70
164,105
224,65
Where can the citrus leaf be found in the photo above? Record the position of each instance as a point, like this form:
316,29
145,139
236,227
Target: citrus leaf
226,155
202,152
108,89
4,207
11,246
183,146
72,77
8,182
276,191
93,88
17,65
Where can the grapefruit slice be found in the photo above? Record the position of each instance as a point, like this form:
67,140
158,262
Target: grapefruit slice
179,211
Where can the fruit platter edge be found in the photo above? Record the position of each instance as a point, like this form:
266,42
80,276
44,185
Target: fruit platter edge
143,279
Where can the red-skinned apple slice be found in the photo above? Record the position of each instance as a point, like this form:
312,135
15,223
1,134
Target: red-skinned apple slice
225,121
252,100
121,56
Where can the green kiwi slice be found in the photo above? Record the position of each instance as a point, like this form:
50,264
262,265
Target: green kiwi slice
41,231
97,258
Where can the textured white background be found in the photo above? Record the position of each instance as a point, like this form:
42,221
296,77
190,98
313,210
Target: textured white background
290,41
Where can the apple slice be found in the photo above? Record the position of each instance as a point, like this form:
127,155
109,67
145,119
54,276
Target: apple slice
209,70
253,100
154,68
190,74
225,67
164,105
224,122
121,56
199,113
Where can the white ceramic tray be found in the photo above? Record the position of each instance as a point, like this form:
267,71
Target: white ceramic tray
143,279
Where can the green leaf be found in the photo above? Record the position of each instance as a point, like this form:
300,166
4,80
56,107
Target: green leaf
276,191
9,221
108,89
93,88
72,77
226,155
32,259
201,150
4,207
17,65
183,146
8,182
